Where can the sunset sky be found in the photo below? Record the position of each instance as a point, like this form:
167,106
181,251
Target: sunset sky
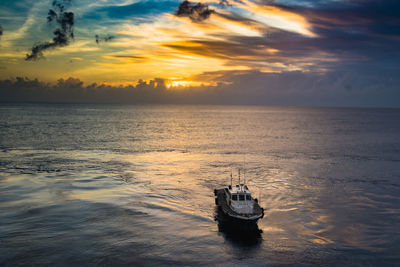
322,52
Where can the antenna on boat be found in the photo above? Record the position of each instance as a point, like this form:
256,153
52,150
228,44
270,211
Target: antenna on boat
239,176
244,168
231,178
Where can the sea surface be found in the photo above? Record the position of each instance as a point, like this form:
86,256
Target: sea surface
90,185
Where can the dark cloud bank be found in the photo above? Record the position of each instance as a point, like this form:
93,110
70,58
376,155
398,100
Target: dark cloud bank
197,12
233,88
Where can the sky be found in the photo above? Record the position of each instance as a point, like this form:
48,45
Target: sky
264,52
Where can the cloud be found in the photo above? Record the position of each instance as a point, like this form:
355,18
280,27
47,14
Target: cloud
62,34
368,28
127,57
196,12
327,33
107,38
72,90
295,88
224,3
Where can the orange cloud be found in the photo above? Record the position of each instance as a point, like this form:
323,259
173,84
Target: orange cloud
277,17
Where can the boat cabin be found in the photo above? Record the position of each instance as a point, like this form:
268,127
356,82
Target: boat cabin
239,192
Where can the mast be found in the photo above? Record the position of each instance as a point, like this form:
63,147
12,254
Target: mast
239,177
244,177
244,168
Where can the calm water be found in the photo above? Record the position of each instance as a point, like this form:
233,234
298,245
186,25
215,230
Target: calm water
115,185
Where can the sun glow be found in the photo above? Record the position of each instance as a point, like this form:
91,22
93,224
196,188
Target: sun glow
181,84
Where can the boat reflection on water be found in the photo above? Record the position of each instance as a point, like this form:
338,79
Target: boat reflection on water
237,232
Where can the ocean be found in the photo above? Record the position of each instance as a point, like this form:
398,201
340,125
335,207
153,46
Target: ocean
95,185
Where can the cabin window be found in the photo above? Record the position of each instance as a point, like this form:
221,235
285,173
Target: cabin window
234,197
248,197
241,197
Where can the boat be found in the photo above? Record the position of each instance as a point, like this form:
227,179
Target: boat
237,203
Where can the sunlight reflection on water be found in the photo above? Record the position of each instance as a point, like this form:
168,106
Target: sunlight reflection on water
134,184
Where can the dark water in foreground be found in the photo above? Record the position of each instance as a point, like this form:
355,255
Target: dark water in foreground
112,185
